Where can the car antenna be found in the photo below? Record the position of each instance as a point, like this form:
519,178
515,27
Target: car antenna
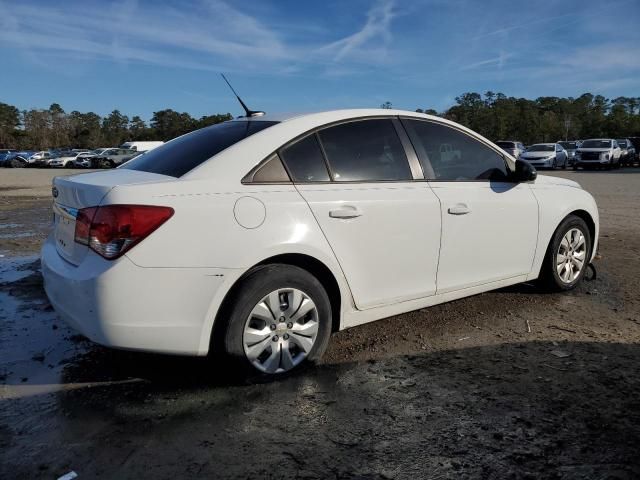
248,113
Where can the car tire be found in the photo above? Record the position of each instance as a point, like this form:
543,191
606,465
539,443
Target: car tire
262,336
556,274
68,165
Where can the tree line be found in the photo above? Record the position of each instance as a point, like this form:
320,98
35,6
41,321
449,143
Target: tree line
545,119
54,128
494,115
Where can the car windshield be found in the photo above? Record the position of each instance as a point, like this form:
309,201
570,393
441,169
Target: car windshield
541,148
185,153
569,145
506,144
622,143
596,144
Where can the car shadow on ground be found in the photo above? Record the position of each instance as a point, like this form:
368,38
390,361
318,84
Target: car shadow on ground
535,409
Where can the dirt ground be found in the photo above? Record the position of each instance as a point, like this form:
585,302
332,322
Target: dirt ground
461,390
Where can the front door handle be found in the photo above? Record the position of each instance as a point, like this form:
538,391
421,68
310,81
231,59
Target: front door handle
345,211
459,209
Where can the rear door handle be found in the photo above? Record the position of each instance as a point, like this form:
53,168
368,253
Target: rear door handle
459,209
345,211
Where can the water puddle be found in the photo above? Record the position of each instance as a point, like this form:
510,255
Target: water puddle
35,345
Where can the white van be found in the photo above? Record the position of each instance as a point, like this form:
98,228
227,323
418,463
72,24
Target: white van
141,146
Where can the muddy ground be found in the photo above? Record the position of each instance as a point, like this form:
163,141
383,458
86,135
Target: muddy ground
462,390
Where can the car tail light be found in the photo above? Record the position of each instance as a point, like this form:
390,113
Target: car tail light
111,230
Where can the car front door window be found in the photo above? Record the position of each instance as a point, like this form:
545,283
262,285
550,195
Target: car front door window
466,160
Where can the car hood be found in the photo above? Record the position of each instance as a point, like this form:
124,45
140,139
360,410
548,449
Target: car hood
546,180
537,154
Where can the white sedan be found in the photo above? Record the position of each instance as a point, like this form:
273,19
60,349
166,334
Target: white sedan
65,160
260,236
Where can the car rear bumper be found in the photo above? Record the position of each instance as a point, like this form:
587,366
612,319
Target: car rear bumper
118,304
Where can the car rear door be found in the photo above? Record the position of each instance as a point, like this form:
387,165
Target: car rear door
489,223
383,227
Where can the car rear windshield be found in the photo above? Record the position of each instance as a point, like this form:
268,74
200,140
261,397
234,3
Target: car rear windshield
596,144
506,144
569,145
185,153
541,148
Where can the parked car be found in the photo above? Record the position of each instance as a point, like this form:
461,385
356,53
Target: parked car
141,146
548,155
113,157
40,159
598,152
635,141
4,154
515,149
260,236
627,152
17,159
85,160
571,148
64,160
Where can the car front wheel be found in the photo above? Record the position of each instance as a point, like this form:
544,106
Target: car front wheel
568,255
279,319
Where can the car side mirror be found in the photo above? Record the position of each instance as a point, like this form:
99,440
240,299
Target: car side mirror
525,172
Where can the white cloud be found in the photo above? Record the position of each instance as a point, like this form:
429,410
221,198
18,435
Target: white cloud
370,42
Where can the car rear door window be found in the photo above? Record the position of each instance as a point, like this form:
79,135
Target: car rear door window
305,161
183,154
447,154
365,151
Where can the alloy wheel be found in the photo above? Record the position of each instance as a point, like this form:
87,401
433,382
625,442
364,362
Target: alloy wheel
571,255
281,330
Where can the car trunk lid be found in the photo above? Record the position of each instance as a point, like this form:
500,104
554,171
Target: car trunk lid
75,192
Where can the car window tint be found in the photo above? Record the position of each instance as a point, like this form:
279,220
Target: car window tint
305,161
367,150
179,156
271,172
454,155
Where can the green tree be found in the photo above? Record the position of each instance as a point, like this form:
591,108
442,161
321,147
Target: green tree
168,124
115,128
9,122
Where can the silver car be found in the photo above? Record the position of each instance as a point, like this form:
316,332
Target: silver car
571,146
546,155
514,148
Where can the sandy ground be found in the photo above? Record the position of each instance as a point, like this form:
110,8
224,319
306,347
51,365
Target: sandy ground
461,390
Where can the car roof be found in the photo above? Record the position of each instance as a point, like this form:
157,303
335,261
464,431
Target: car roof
234,162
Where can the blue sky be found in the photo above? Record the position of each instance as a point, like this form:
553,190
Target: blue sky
285,56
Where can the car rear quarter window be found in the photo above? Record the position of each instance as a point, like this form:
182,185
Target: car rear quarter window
183,154
365,151
305,161
272,171
447,154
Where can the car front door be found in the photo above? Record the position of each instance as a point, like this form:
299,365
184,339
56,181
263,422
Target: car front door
383,226
489,223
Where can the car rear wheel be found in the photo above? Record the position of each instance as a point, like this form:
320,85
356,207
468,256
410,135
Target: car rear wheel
279,319
567,256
